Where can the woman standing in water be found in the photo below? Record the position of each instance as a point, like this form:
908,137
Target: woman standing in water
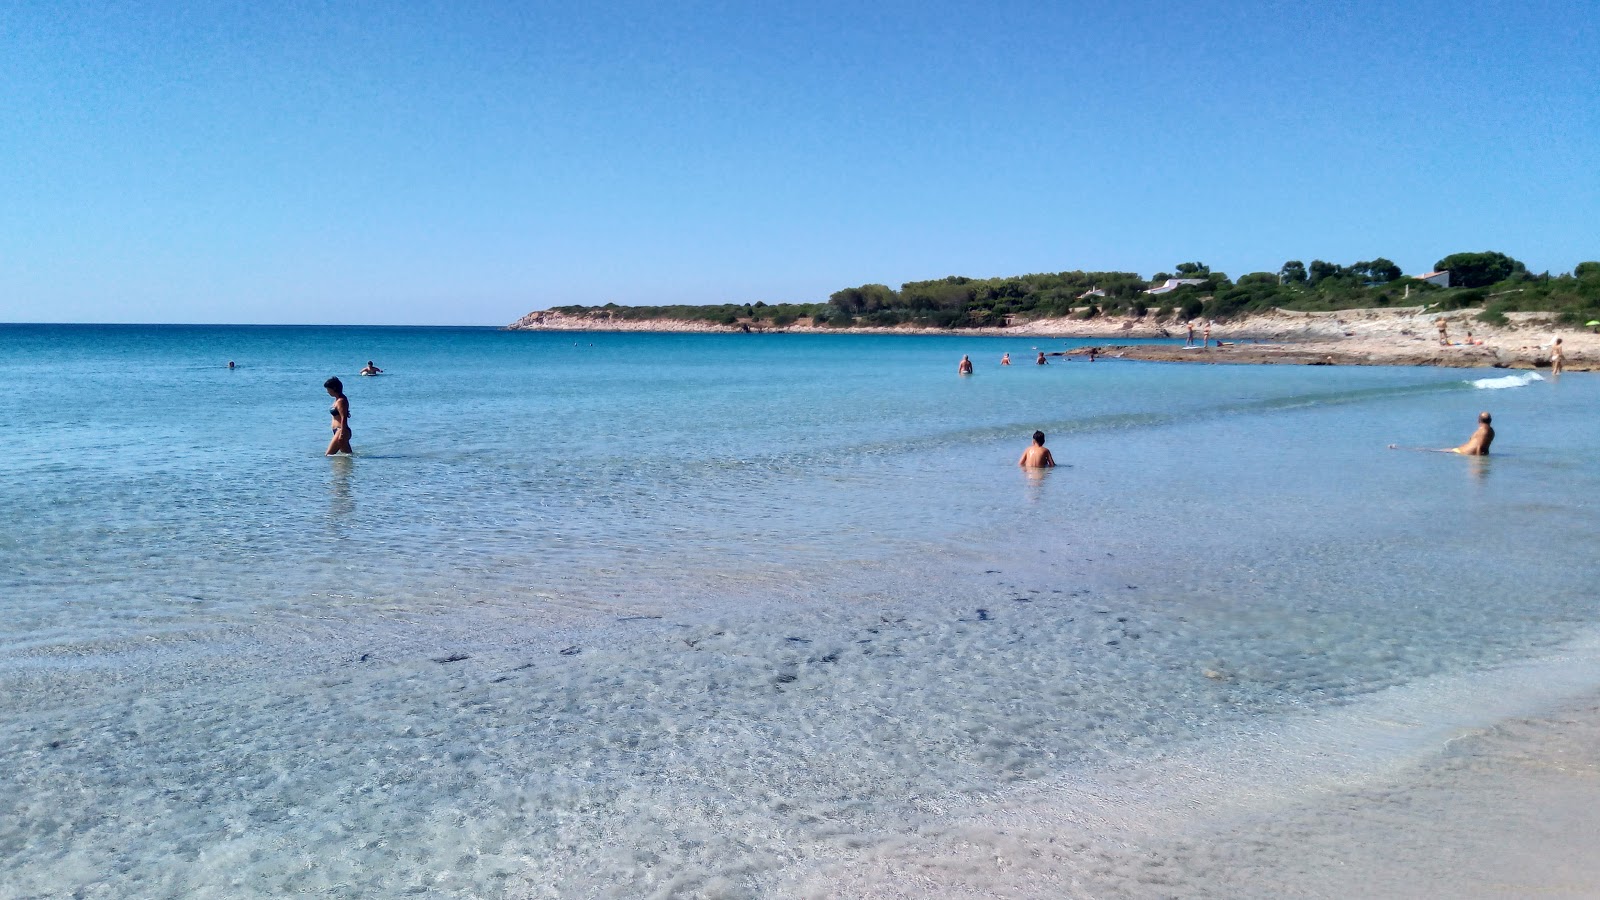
341,417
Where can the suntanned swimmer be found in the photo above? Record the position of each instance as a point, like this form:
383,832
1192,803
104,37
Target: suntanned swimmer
1041,360
1005,359
371,369
1477,445
966,365
340,411
1037,457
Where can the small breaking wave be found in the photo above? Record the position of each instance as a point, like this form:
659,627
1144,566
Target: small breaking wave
1506,381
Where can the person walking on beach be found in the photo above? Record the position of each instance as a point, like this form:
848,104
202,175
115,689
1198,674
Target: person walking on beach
965,368
1041,360
1557,359
1037,457
1444,331
340,411
1005,359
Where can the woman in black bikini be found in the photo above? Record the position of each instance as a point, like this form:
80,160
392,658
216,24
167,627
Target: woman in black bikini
341,417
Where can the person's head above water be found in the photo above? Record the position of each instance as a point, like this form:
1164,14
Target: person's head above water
1483,417
334,386
1038,438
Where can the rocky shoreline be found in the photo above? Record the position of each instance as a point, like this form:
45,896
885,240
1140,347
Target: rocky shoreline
1353,337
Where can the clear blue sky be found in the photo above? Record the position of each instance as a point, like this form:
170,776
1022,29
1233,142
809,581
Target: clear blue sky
459,162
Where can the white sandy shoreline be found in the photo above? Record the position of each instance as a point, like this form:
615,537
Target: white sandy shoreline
1481,786
1399,336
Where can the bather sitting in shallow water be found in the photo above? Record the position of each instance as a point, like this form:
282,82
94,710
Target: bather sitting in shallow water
1037,457
1478,444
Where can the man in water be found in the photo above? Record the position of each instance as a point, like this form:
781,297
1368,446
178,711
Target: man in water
1041,360
1037,457
1478,444
966,365
1005,359
371,369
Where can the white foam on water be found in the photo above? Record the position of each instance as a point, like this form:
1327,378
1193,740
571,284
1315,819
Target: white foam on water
1506,381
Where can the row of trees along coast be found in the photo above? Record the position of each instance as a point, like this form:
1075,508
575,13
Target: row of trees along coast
1490,281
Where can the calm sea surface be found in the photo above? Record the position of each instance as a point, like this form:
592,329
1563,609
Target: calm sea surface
632,615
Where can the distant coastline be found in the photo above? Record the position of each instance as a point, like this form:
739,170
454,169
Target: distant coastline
1372,337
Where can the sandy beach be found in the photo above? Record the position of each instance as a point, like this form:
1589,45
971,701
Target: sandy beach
1370,337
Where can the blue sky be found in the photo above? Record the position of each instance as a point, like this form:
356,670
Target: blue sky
463,163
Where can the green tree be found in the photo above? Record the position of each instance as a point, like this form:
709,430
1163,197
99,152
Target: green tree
1321,269
1473,270
1193,270
1586,270
1293,272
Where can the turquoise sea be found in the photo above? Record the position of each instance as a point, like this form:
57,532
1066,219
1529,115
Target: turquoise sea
606,614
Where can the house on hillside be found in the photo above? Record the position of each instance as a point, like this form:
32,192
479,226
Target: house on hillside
1097,292
1442,279
1172,284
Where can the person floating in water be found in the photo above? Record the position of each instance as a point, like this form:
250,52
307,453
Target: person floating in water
340,411
1041,360
371,369
1477,445
1037,457
965,368
1005,359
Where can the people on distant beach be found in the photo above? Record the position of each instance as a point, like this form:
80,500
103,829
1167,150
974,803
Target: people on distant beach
340,411
1557,358
1444,331
1005,359
371,369
965,368
1093,352
1478,444
1207,344
1036,456
1189,340
1041,360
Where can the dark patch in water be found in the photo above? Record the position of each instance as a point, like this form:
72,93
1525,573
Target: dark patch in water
636,618
831,657
786,678
983,615
571,651
454,657
798,640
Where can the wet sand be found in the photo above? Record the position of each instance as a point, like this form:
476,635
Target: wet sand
1412,793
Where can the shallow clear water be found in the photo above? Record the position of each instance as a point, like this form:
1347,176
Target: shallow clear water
627,614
